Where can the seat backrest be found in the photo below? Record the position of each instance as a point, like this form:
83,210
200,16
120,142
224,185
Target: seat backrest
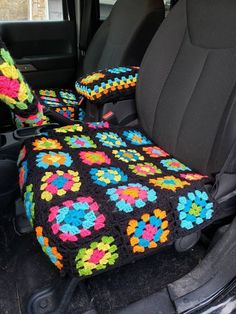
186,94
123,38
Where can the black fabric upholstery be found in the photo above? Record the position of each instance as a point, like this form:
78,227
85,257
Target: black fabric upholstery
212,23
185,92
124,36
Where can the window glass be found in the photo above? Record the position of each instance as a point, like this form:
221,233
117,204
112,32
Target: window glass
167,5
105,8
31,10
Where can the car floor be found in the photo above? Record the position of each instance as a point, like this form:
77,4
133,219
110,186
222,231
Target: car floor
24,269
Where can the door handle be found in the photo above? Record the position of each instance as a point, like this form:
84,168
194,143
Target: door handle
26,68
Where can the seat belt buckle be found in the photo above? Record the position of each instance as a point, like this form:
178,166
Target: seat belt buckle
110,117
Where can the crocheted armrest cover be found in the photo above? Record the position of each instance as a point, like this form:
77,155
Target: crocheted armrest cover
16,93
109,85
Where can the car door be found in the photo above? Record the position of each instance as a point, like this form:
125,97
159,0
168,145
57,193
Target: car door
41,36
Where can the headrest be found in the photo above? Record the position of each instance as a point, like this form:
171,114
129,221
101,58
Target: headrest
212,23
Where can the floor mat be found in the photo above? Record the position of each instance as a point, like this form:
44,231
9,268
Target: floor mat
116,289
24,269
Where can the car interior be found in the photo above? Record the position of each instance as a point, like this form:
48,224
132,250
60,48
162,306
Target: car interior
118,159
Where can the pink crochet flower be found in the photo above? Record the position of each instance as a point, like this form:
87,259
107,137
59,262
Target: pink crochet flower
9,87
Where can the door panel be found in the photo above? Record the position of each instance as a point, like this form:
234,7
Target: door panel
44,51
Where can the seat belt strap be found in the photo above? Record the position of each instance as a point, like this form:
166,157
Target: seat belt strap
85,30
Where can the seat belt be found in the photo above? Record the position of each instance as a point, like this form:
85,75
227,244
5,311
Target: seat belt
85,29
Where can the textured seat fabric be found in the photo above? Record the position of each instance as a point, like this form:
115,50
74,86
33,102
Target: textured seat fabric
93,201
66,102
125,35
186,86
100,197
108,85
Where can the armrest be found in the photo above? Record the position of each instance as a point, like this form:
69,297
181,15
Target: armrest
110,85
16,93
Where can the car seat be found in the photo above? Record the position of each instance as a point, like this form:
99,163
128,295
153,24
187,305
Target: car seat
100,196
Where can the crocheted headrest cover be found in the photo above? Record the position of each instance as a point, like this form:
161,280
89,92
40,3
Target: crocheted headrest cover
16,93
109,85
99,197
63,101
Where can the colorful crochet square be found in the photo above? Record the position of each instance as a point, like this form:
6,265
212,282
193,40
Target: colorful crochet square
131,196
136,138
70,102
23,172
129,155
174,165
155,152
63,101
66,112
29,203
148,232
80,142
98,125
97,257
13,89
52,252
74,219
70,128
59,183
67,95
106,176
94,158
16,93
53,101
193,176
92,78
120,70
47,92
44,143
145,169
46,160
194,209
108,85
111,140
169,183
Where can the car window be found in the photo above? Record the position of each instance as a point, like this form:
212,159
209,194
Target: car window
105,8
167,5
31,10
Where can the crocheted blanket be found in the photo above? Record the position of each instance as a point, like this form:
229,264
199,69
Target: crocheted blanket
99,197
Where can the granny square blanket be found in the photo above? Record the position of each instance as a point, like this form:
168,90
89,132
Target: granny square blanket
99,196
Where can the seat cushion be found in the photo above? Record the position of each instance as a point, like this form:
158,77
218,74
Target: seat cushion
64,101
99,197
